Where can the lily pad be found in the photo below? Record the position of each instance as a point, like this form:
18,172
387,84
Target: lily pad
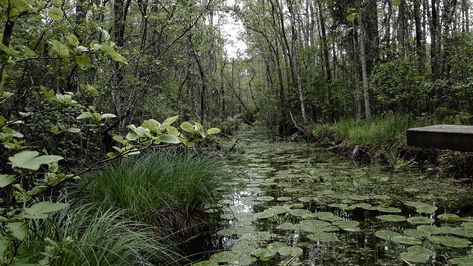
450,241
264,254
386,234
391,218
350,226
407,240
323,237
290,251
299,212
421,207
420,220
462,261
306,199
416,233
417,254
284,198
430,229
388,209
449,217
265,198
323,215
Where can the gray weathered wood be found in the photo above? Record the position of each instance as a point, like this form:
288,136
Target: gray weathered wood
450,137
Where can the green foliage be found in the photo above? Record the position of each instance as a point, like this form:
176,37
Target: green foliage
94,237
142,187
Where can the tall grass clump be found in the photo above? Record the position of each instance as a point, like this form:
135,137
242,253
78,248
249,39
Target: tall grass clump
387,131
97,237
144,187
384,131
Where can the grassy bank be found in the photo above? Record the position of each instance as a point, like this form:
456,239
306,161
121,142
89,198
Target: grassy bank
133,212
383,140
388,132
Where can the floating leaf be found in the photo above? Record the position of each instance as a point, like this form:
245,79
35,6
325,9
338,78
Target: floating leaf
462,261
429,229
265,198
350,226
416,233
448,217
290,251
264,254
323,237
284,198
299,212
417,254
421,207
388,209
386,234
407,240
391,218
450,241
420,220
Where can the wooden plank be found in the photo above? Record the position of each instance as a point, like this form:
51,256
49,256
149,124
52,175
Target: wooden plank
449,137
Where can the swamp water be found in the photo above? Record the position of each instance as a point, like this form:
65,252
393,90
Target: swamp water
294,204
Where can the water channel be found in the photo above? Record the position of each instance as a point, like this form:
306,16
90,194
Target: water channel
297,204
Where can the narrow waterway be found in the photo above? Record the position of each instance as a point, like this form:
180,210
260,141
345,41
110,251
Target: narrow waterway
296,204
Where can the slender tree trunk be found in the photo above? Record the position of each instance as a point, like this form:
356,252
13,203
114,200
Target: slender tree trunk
419,36
364,72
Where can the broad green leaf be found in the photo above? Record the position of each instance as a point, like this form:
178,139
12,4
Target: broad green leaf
8,50
85,115
18,229
449,217
420,220
61,49
49,93
213,131
386,234
351,17
6,180
91,90
73,130
187,127
4,244
57,2
391,218
450,241
170,120
55,13
72,39
407,240
166,138
83,61
397,3
41,209
417,254
30,160
118,57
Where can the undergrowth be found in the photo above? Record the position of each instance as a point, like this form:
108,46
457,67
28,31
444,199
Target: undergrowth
97,237
144,187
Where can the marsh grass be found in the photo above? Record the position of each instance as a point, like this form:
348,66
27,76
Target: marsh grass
99,237
382,132
172,183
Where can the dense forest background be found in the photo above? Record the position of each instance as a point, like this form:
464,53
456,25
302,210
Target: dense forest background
314,60
85,82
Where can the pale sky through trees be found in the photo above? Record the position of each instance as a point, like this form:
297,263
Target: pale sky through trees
232,28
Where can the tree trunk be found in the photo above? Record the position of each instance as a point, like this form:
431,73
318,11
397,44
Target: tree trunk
364,72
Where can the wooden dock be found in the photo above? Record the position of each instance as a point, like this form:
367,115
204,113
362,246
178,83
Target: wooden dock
448,137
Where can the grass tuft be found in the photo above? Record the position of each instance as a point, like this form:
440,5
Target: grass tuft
99,237
146,186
